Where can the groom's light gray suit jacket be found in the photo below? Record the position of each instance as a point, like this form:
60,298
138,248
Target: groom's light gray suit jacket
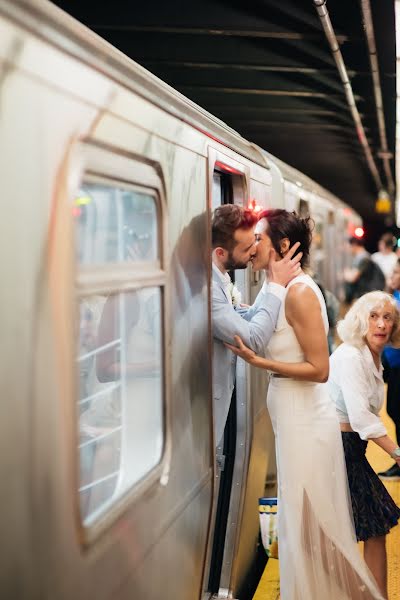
254,325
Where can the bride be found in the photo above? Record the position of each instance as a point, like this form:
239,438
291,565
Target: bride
318,554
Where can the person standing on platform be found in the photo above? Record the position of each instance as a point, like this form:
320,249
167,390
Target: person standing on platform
391,375
318,554
385,258
233,243
356,387
365,275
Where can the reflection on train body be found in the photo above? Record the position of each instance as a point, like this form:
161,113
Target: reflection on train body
120,363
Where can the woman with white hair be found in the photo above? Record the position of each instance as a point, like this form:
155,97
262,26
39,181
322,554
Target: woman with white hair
356,386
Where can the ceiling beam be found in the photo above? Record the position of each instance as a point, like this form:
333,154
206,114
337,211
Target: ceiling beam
317,112
252,67
335,99
317,75
215,31
256,91
242,67
292,124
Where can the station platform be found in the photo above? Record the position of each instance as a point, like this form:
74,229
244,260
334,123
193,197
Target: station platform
268,587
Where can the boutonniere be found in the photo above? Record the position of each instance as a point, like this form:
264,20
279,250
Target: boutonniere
235,294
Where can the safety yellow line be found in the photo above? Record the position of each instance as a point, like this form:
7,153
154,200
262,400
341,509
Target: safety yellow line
393,547
268,588
380,462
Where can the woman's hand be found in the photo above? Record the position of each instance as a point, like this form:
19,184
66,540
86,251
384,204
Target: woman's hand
283,270
241,350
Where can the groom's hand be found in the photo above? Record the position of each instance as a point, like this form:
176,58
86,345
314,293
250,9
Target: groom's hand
284,270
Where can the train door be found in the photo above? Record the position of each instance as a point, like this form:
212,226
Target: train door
229,183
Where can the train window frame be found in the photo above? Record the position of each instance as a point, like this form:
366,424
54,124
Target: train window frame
106,166
238,173
304,207
225,188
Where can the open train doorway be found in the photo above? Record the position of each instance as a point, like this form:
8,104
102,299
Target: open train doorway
229,186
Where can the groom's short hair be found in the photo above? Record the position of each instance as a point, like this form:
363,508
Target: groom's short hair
226,220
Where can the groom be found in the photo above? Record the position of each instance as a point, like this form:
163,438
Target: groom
234,245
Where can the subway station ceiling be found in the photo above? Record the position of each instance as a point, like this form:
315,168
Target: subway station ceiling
266,68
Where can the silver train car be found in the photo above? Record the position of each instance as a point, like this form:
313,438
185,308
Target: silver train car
111,488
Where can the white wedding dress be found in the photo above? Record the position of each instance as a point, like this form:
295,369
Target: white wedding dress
318,554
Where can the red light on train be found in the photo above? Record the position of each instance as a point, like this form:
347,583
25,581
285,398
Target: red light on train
254,206
359,232
226,168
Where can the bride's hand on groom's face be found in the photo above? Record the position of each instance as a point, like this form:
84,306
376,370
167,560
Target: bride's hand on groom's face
240,349
283,270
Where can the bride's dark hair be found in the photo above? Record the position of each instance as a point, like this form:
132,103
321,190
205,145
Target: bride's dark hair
283,224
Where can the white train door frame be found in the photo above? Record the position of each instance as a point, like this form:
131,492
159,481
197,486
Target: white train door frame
234,178
226,574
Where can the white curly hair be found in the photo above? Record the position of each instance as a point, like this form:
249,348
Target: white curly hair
354,327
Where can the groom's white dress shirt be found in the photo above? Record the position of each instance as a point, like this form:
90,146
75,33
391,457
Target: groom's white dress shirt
254,325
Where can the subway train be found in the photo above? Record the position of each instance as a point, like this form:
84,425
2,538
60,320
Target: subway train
111,487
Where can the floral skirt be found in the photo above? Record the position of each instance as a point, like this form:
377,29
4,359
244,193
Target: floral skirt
374,510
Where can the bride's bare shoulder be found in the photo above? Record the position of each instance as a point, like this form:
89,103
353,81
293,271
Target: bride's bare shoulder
301,296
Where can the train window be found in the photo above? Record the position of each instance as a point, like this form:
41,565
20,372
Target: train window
304,209
115,225
120,367
217,190
222,191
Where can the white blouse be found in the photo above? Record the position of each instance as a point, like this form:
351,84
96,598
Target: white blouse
357,388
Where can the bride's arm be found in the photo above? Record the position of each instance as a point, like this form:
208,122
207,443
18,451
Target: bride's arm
303,313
